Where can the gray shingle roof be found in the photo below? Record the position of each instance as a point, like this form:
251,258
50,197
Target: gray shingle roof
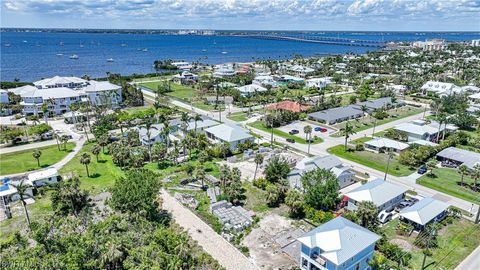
466,157
336,113
339,239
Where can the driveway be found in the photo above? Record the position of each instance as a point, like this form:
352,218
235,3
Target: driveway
220,249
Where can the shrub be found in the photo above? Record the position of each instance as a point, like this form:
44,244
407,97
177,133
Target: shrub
359,147
260,183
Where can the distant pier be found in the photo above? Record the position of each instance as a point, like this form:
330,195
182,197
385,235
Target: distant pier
323,40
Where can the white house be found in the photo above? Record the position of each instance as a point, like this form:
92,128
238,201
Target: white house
57,81
440,88
264,80
201,125
384,145
185,78
331,163
182,65
152,135
301,71
224,71
43,178
421,130
103,93
424,212
250,89
232,134
383,194
318,83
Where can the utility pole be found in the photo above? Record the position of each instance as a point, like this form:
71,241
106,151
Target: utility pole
477,219
374,124
390,156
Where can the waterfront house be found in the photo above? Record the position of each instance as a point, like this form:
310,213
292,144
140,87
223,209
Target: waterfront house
336,115
424,212
185,78
385,145
330,163
224,71
102,93
382,193
456,156
337,244
182,65
231,134
422,130
43,178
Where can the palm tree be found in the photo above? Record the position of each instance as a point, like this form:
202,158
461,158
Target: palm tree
36,155
96,150
185,118
64,139
378,262
197,118
22,192
390,156
200,174
103,141
55,135
348,130
308,133
364,109
85,160
475,175
430,166
45,112
148,126
462,170
258,160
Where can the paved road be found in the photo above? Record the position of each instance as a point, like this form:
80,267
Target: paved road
215,245
22,147
472,262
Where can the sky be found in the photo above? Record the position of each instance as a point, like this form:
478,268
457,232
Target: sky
321,15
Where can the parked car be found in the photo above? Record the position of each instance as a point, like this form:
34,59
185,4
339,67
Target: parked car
385,216
294,131
403,205
422,169
317,129
290,140
323,130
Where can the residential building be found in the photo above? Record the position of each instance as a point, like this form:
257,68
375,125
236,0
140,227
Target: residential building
373,105
152,135
337,244
221,99
440,88
336,115
224,71
456,156
264,80
318,83
475,98
301,71
397,88
424,212
382,193
182,65
250,89
422,130
59,93
284,79
431,45
330,163
231,134
476,43
201,125
43,178
385,145
185,78
288,105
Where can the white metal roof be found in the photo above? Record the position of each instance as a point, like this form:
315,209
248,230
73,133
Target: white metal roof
377,191
97,86
388,143
251,88
202,124
339,239
59,80
50,172
424,211
229,133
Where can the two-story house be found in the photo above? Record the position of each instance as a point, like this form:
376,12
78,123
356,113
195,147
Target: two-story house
337,245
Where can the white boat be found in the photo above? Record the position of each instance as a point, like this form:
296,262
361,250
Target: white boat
59,54
204,50
110,60
7,44
81,45
74,56
61,43
145,50
123,45
224,52
25,41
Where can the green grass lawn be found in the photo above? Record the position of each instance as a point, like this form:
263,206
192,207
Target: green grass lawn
23,161
455,242
445,180
259,125
372,160
238,116
364,123
37,211
178,90
102,174
256,198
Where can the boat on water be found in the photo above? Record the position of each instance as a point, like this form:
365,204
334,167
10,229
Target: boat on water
204,50
24,41
61,43
224,52
123,45
145,50
74,56
59,54
110,60
7,45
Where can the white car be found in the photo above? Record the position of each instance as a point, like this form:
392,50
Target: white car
385,216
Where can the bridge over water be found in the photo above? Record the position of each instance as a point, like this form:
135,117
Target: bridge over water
322,40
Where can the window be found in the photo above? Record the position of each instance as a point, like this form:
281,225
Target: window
357,267
304,262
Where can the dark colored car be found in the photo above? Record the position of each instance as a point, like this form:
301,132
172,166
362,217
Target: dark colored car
403,205
293,132
290,140
422,169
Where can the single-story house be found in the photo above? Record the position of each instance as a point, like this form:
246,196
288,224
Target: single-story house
232,134
331,163
250,89
475,98
337,244
318,83
201,125
288,105
43,177
382,193
336,115
288,79
301,71
182,65
421,130
424,212
373,105
459,156
440,88
384,145
423,143
264,80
